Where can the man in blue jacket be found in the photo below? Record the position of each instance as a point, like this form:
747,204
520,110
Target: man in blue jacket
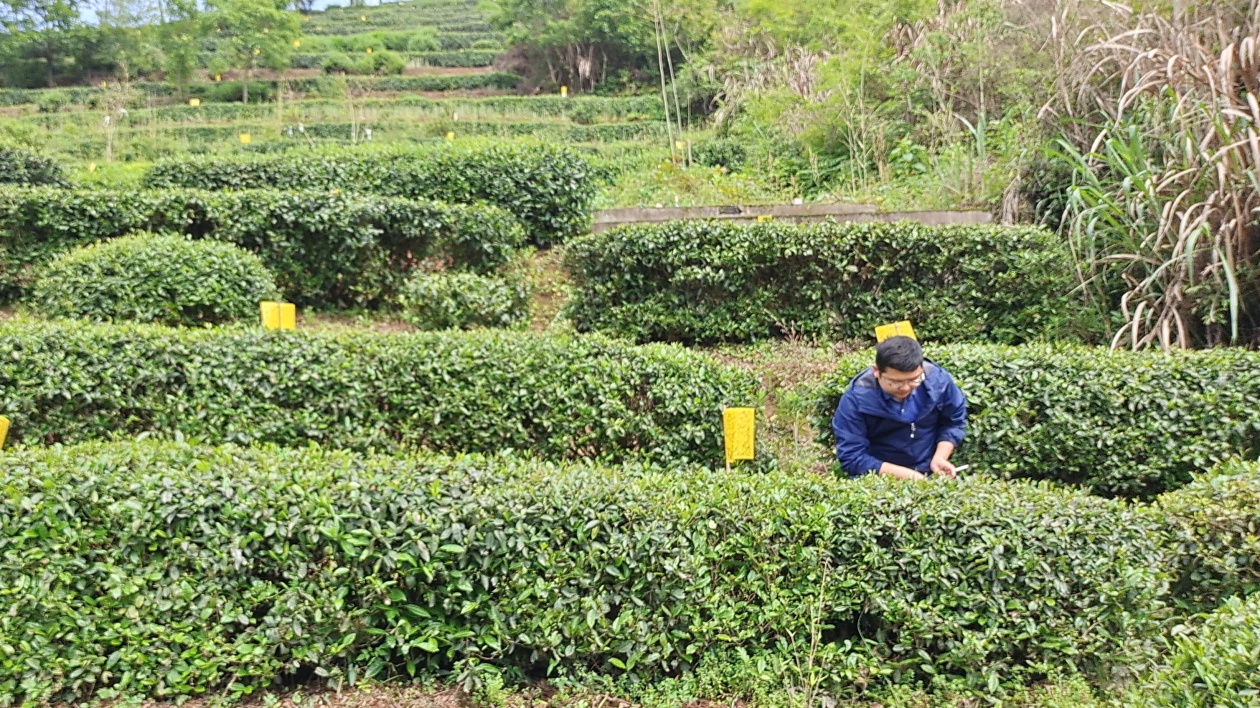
902,418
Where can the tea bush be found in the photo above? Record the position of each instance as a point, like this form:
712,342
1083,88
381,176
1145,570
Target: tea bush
324,248
1212,526
548,187
22,166
445,300
225,566
1214,662
1122,423
461,57
561,397
711,281
151,278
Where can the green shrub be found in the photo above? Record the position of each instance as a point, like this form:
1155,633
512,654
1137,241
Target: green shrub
1214,663
1212,527
445,300
325,249
549,188
338,63
711,281
151,278
1123,423
463,57
165,569
450,392
422,42
22,166
721,152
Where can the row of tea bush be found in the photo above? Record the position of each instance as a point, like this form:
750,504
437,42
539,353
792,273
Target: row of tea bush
168,570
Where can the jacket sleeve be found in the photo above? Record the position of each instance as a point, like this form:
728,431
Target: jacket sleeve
953,415
852,442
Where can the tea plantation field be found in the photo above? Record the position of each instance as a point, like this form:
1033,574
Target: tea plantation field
488,458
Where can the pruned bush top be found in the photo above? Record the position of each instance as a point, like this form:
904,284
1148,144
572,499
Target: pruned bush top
22,166
554,396
1212,527
325,249
244,566
711,281
445,300
1123,423
549,188
147,277
1213,662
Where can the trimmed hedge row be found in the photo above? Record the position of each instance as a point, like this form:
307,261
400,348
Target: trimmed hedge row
230,91
1123,423
459,57
324,248
158,278
561,132
560,397
22,166
1212,527
548,187
711,281
168,570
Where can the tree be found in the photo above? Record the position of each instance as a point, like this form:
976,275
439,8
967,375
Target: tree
581,41
254,33
44,29
178,36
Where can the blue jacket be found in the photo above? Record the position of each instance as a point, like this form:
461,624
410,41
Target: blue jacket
870,432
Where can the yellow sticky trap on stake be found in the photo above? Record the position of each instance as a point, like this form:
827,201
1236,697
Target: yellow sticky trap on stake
4,429
450,136
564,90
218,77
194,102
896,329
765,217
91,167
739,427
246,138
680,145
297,42
369,50
278,315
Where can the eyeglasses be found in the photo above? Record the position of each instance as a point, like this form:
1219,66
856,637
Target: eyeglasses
903,383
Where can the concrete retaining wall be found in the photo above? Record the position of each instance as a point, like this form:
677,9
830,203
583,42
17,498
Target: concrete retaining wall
791,213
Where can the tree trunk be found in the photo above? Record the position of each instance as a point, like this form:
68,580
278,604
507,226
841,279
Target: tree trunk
245,85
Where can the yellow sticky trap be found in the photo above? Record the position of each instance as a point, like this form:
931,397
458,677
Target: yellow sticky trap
765,217
218,77
896,329
4,429
450,136
362,18
680,145
739,427
297,42
246,138
369,50
194,102
564,90
91,167
278,315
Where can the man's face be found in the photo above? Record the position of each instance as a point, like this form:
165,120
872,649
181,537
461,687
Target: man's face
899,384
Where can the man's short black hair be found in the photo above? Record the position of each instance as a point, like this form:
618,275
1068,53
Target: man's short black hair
900,353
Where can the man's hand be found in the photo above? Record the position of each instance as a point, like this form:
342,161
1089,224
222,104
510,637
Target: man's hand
943,467
888,469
